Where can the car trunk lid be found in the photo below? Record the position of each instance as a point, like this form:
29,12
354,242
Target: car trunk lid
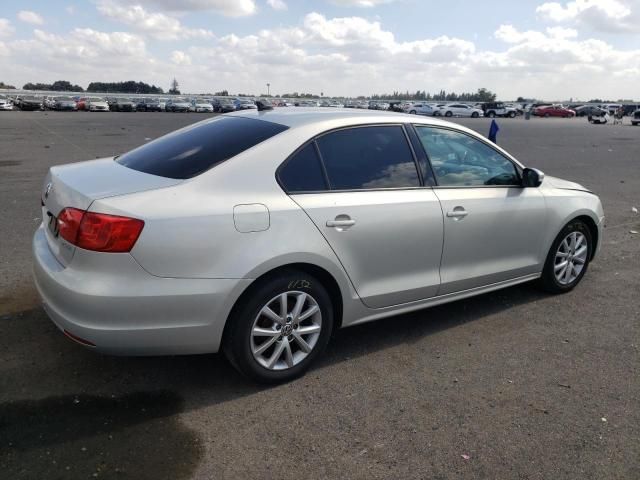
77,185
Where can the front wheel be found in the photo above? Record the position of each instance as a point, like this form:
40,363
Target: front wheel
475,115
413,112
492,115
276,333
512,115
448,114
568,258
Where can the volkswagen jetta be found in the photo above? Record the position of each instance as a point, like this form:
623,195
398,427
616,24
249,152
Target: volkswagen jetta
262,232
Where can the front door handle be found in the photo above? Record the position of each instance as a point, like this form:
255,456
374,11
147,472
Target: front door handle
457,213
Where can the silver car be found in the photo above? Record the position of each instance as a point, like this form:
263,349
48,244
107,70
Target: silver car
260,232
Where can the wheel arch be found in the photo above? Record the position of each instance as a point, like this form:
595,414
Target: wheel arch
593,230
588,220
328,281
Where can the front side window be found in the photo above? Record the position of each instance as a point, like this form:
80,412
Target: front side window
460,160
368,158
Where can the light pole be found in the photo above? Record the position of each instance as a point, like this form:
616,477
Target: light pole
268,92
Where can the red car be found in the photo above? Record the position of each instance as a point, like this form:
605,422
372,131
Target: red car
81,103
554,111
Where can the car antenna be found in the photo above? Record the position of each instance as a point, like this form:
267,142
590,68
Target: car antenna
263,106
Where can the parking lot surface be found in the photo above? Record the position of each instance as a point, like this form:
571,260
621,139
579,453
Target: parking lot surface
514,384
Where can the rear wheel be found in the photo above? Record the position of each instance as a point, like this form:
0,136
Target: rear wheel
546,115
280,328
492,115
512,114
448,114
568,258
413,112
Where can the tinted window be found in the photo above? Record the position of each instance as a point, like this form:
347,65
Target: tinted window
371,157
303,172
195,149
461,160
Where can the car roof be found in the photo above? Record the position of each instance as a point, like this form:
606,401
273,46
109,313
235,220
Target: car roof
301,116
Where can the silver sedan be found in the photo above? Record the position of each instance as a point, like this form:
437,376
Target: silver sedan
260,232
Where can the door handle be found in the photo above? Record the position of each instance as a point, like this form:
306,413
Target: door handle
341,223
458,213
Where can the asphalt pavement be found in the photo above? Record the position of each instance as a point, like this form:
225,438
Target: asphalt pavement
515,384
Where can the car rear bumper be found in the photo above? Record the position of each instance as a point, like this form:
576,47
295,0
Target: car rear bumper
109,302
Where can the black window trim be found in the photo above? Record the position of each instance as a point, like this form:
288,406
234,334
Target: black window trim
479,139
329,189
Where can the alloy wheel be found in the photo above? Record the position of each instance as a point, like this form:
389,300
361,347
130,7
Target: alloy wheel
571,258
286,330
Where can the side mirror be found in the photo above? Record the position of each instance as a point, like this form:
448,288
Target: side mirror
532,177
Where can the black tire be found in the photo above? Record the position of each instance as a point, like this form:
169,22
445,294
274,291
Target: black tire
546,115
548,281
512,114
448,114
492,115
475,115
237,338
413,112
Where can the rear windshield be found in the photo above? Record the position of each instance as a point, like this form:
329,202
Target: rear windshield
192,150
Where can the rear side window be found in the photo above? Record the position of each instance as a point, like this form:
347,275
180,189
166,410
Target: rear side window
368,157
192,150
303,172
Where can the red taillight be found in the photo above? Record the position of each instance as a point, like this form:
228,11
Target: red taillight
98,231
68,224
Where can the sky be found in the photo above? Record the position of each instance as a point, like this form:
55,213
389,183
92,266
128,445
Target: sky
552,50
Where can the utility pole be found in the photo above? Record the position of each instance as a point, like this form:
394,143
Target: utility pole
268,91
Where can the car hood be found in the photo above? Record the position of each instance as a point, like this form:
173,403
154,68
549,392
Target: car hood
563,184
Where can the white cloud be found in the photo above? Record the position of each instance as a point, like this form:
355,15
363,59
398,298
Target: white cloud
180,58
230,8
277,4
360,3
158,25
617,16
6,29
28,16
70,9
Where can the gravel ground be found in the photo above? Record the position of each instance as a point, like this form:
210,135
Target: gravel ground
514,384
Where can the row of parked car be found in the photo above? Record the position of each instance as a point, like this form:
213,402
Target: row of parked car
485,109
230,104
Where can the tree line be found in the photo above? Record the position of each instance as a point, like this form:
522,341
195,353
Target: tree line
108,87
57,86
482,95
123,87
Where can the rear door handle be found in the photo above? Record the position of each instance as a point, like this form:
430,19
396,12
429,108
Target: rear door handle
341,223
457,212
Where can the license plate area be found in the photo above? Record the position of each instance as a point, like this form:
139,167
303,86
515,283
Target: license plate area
52,225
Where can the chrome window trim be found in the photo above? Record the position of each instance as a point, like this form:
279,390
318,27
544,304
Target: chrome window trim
329,189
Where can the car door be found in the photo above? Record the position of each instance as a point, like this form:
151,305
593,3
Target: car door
493,227
367,201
